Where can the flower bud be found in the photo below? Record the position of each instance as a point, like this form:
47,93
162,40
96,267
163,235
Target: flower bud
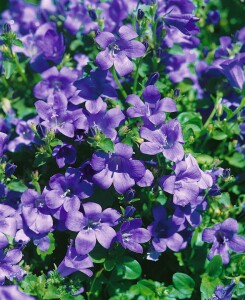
129,195
6,28
140,14
145,43
129,211
153,78
92,14
176,92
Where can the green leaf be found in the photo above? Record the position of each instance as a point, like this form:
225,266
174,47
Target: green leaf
237,160
9,68
40,160
219,135
208,285
106,145
215,266
183,283
109,264
132,269
18,43
146,287
17,186
52,293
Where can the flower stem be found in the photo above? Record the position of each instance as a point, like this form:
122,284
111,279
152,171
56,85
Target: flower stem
90,293
236,111
136,76
119,83
19,68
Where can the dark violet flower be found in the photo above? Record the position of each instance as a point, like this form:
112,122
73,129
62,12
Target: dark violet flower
129,211
50,42
56,81
119,169
64,192
93,224
153,109
10,169
91,89
140,14
8,267
74,262
8,224
3,141
164,231
152,79
166,140
35,213
64,155
117,51
223,237
55,114
184,22
186,184
224,292
11,292
3,190
213,17
131,235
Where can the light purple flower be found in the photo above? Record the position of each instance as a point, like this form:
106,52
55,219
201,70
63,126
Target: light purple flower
74,262
184,22
166,140
223,237
8,224
119,169
3,141
186,184
64,192
131,235
56,81
93,225
117,51
35,212
224,292
11,292
8,267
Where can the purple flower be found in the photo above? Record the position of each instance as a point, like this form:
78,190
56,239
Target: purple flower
3,141
93,224
56,81
164,231
35,212
74,262
26,135
131,235
119,169
64,154
153,110
50,42
187,182
11,292
223,237
224,292
8,224
91,89
55,114
8,267
213,17
166,140
117,51
184,22
64,192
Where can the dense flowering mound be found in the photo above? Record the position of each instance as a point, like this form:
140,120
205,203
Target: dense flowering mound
122,149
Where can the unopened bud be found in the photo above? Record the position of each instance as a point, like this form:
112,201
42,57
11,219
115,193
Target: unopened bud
146,44
6,28
153,78
176,92
92,14
219,109
140,14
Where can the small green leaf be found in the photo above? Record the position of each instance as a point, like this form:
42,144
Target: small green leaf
40,160
132,269
183,283
146,287
18,43
109,264
9,68
107,145
208,285
17,186
219,135
215,266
